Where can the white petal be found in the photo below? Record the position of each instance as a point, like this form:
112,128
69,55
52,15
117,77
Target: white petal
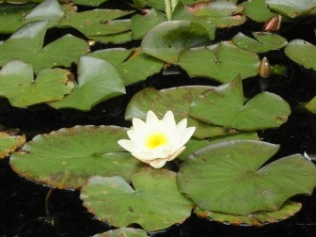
158,163
138,124
182,125
127,144
168,119
185,137
151,119
174,155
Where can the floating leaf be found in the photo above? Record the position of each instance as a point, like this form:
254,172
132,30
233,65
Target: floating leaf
311,105
262,43
141,24
257,10
302,52
177,100
93,3
155,202
116,56
123,232
215,9
225,106
98,22
228,177
98,81
292,8
257,219
118,38
68,157
222,62
9,143
26,45
156,4
18,85
167,40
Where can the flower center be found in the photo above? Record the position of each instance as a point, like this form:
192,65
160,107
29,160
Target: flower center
155,140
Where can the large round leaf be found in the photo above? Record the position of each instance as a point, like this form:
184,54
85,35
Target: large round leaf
222,62
263,42
123,232
257,10
177,100
68,157
18,85
155,202
302,52
9,143
256,219
98,81
225,106
26,45
167,40
292,8
229,178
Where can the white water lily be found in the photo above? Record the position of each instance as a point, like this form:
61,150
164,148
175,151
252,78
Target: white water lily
157,141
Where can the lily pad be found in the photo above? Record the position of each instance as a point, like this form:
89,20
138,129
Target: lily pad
292,8
263,42
311,105
123,232
93,3
222,62
98,81
18,85
257,219
98,22
225,106
228,177
26,45
156,4
9,143
68,157
141,24
116,56
155,202
168,40
117,38
302,52
257,10
177,100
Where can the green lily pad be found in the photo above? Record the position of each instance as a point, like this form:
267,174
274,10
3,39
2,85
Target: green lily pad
257,219
9,143
116,56
311,105
168,40
302,52
123,232
156,4
118,38
292,8
26,45
222,62
141,24
177,100
93,3
225,106
257,10
155,202
97,22
228,177
98,81
70,156
263,42
18,85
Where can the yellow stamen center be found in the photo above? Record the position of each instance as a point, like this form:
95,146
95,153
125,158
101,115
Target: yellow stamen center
155,140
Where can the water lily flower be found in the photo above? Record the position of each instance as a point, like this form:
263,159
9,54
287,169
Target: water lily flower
157,141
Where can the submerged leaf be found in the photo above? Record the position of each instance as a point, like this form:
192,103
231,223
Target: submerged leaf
228,177
155,202
311,105
68,157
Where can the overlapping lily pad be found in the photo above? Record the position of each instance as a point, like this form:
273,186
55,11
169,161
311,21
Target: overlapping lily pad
26,44
302,52
257,219
257,10
17,84
225,106
68,157
222,62
123,232
292,8
93,3
9,143
177,100
154,203
168,40
229,178
263,42
98,81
